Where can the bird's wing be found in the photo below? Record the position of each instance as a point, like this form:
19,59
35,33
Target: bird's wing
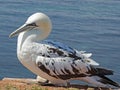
67,68
64,50
54,49
87,57
63,67
59,62
60,46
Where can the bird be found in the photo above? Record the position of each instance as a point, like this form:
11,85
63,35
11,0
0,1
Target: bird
53,60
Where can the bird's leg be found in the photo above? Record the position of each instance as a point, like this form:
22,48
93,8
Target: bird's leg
43,82
47,83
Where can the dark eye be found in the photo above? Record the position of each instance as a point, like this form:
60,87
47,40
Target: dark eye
32,24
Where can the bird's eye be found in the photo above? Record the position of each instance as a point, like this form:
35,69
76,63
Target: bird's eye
32,24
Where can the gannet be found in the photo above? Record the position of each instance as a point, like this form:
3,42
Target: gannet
53,60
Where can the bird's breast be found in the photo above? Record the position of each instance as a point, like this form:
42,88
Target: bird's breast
26,55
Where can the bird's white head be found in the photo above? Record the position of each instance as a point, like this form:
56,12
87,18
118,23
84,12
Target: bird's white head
37,21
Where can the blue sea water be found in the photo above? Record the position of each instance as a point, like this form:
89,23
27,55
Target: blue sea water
88,25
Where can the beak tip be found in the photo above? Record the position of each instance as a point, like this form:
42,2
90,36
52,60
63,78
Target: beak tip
11,35
19,30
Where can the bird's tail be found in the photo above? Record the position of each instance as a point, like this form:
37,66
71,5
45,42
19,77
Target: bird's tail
106,80
100,81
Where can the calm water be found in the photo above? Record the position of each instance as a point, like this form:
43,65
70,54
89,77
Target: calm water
89,25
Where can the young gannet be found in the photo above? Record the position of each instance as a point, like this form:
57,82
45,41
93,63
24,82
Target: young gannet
55,61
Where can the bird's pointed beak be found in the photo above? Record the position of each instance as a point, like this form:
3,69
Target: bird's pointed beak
24,27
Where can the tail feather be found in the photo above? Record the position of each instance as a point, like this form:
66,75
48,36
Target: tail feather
103,71
99,71
100,81
106,80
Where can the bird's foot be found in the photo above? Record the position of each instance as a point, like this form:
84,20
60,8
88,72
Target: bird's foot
47,83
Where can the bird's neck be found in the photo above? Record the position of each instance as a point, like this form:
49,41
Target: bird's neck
28,37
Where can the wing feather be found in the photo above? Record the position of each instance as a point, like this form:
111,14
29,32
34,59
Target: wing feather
58,60
60,67
67,68
64,50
